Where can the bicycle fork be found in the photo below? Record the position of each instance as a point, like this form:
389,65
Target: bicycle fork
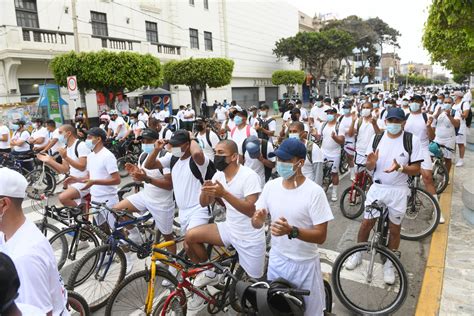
373,253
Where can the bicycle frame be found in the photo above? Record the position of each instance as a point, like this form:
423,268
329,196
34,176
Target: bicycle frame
380,234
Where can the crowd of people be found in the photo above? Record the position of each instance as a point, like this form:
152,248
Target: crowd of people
229,157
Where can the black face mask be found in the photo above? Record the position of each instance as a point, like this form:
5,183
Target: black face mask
199,127
231,115
220,163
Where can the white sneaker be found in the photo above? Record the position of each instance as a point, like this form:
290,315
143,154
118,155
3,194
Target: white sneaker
441,218
334,196
388,273
207,277
196,303
130,259
460,163
353,174
173,271
354,261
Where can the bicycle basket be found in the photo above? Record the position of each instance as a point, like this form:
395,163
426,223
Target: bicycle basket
435,150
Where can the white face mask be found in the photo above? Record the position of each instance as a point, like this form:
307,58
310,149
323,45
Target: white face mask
176,151
365,112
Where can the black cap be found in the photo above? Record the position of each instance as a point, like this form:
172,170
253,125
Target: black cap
242,112
38,120
417,98
319,98
9,282
180,137
327,100
375,100
331,110
396,113
201,119
97,132
149,133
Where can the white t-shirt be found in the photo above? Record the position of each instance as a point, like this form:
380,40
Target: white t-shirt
21,136
461,107
187,188
138,125
160,197
345,125
167,135
30,310
240,134
189,112
316,156
303,207
304,113
221,114
364,135
143,117
286,115
445,131
245,182
54,135
390,149
82,151
4,131
252,120
100,166
162,115
114,126
329,147
319,112
180,115
256,165
207,148
416,125
41,284
38,133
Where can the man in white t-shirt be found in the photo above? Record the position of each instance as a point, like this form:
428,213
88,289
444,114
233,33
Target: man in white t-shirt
255,152
142,116
123,107
300,214
332,139
220,114
392,165
304,112
117,126
4,138
253,115
39,137
206,138
318,114
238,187
241,130
30,251
53,134
189,116
136,126
345,122
265,125
462,107
19,143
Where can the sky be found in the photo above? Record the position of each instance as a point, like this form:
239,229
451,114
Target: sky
407,16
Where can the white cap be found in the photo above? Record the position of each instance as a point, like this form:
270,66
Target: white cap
12,184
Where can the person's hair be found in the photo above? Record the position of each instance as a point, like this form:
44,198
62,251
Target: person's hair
369,103
15,201
452,100
242,113
264,107
231,145
134,115
299,125
51,123
69,128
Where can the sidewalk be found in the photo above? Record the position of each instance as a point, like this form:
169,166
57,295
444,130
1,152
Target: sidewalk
458,280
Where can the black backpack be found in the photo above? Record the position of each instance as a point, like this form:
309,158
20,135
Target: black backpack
76,151
407,142
264,125
263,149
210,171
208,137
469,116
425,116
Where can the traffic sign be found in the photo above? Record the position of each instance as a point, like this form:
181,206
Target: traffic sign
72,87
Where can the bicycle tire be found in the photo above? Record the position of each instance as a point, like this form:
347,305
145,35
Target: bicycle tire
82,289
131,187
77,303
338,267
344,164
47,227
436,210
121,167
62,235
328,296
360,194
179,308
440,176
35,189
129,281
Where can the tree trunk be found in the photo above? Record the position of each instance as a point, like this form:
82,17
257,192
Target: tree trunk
196,97
349,74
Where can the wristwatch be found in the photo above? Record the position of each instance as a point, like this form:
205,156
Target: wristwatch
294,233
147,180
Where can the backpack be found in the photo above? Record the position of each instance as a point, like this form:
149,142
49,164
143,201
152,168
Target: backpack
309,150
264,125
210,171
263,149
76,151
407,142
165,130
425,116
235,127
469,117
208,137
456,129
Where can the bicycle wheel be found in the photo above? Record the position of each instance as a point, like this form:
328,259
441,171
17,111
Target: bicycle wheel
130,296
66,236
90,279
77,305
352,202
40,183
129,189
422,215
440,176
328,296
362,295
121,167
47,229
177,306
344,164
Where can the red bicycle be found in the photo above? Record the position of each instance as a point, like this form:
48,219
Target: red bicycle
353,198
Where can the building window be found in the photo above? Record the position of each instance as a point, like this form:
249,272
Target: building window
208,40
194,38
191,2
26,13
151,32
99,24
206,4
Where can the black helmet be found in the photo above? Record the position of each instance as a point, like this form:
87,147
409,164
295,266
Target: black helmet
284,304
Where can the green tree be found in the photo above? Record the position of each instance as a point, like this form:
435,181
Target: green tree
199,73
288,78
449,34
107,72
459,78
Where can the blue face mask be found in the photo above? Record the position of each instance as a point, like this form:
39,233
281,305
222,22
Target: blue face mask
330,117
61,139
447,106
14,127
147,148
346,111
394,128
294,135
285,169
414,107
376,105
90,144
238,120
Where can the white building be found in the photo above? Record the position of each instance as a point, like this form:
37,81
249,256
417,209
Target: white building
32,32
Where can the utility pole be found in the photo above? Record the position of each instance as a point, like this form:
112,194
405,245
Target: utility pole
74,25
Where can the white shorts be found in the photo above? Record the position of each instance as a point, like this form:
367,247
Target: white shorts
104,215
82,193
335,165
349,148
305,275
251,251
361,159
395,197
450,144
426,164
461,138
193,217
163,218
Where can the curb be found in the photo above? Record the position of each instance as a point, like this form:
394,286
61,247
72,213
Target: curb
432,287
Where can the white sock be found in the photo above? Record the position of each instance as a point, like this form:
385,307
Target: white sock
334,189
133,232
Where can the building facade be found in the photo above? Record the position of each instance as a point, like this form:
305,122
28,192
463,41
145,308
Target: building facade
417,68
390,60
32,32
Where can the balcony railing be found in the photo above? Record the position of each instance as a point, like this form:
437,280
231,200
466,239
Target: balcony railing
167,49
45,36
116,43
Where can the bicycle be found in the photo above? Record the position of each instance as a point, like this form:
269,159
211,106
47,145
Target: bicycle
353,197
344,163
128,153
13,162
76,304
369,294
41,180
440,172
101,269
327,175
